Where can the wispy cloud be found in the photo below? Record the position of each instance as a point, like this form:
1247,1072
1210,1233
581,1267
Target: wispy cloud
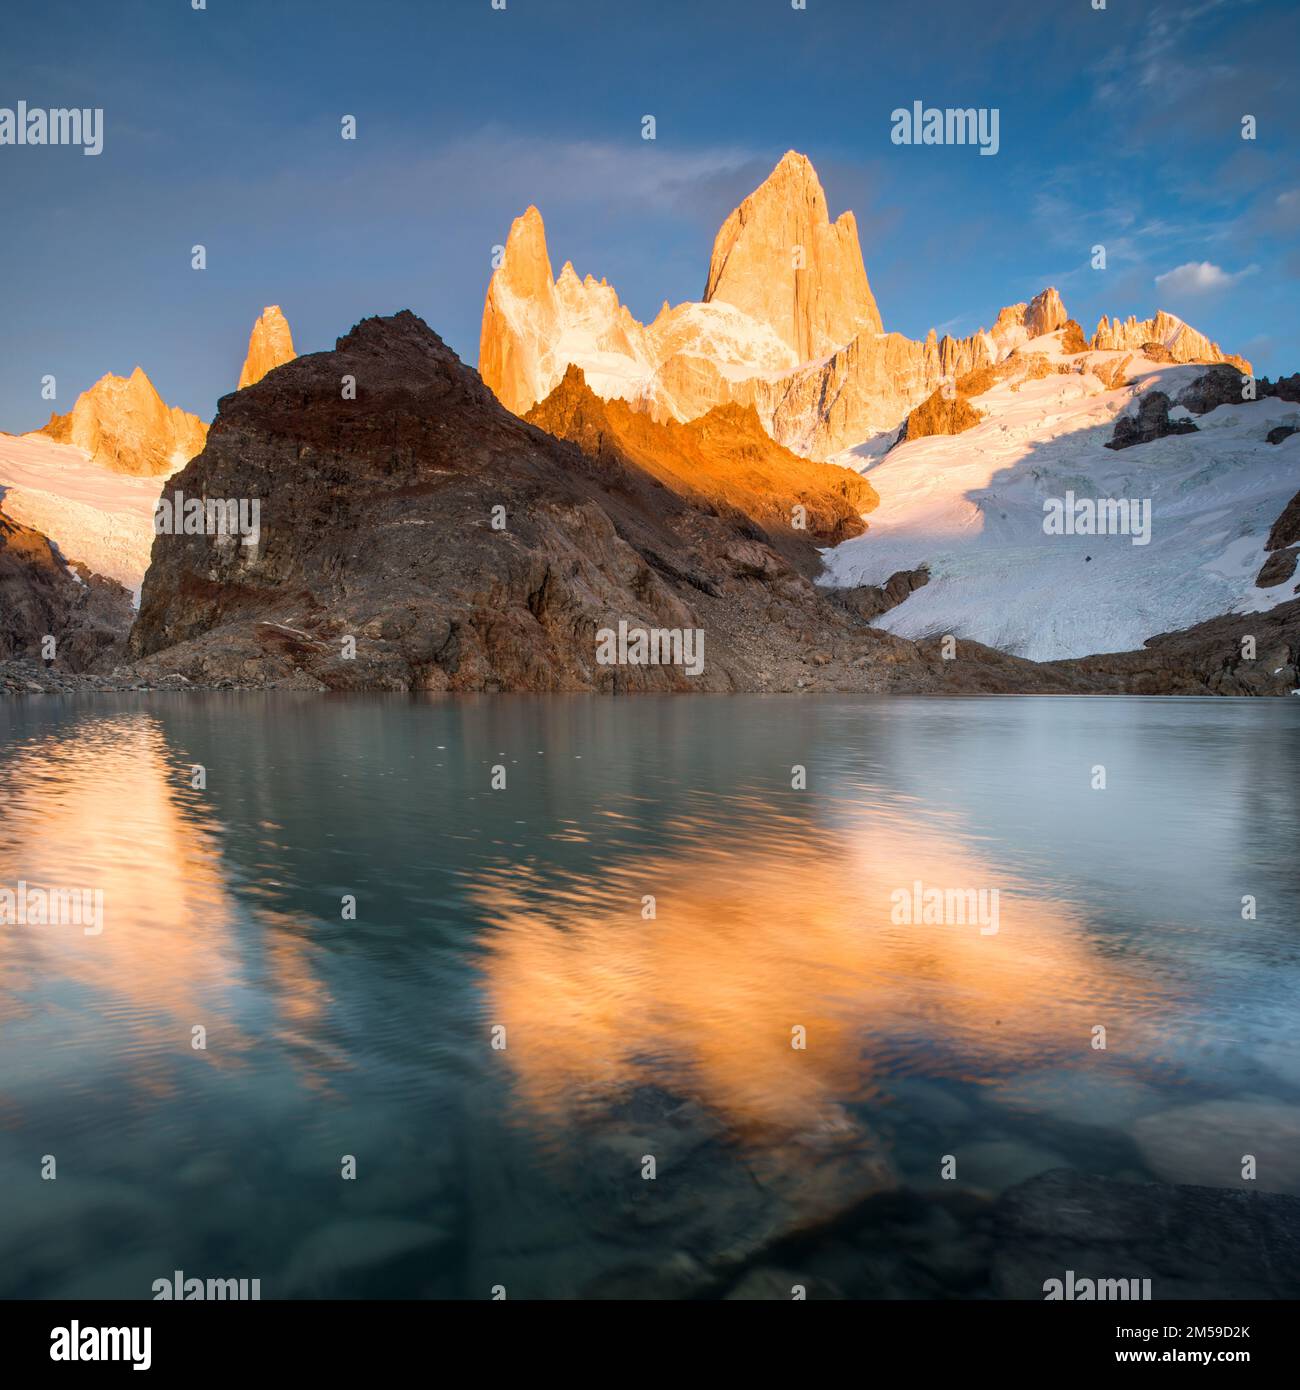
1154,64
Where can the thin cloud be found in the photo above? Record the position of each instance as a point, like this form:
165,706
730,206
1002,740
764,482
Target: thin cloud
1200,277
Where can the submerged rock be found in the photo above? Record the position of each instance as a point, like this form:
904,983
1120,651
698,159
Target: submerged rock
768,1284
350,1257
1191,1242
1209,1143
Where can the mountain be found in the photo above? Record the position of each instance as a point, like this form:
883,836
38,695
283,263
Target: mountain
971,507
270,345
89,481
96,517
377,524
1183,343
724,459
788,325
459,548
124,424
780,259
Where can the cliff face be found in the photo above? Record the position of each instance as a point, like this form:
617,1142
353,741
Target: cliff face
270,345
788,325
377,524
780,259
124,424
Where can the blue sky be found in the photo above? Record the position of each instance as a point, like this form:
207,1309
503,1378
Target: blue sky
1120,126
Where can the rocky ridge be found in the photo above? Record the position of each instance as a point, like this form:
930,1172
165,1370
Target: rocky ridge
788,325
724,459
380,525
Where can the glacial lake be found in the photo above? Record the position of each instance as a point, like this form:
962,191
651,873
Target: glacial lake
648,1017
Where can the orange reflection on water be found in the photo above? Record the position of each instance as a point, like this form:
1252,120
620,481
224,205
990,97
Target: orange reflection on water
784,926
105,804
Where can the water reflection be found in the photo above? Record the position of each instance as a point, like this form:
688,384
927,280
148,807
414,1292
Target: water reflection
626,1035
108,804
785,926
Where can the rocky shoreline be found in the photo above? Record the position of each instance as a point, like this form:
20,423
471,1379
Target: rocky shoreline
26,677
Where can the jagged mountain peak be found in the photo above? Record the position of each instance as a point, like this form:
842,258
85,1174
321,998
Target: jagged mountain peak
270,345
1016,324
526,265
780,259
1183,342
788,325
124,424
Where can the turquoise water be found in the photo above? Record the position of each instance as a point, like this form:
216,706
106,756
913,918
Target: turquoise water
644,1018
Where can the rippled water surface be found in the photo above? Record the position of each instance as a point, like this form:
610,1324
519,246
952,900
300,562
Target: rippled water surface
511,1032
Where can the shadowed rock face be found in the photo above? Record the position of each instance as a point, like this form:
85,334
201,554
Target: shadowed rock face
1150,422
1206,659
88,616
1286,529
1283,545
871,600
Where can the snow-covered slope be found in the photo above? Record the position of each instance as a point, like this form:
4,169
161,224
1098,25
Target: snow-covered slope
97,516
970,506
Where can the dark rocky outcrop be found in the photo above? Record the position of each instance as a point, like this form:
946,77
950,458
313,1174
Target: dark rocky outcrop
377,525
1220,385
1278,568
1286,529
1285,388
1223,384
1281,432
1151,421
871,600
42,596
1190,1242
1283,545
1207,659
